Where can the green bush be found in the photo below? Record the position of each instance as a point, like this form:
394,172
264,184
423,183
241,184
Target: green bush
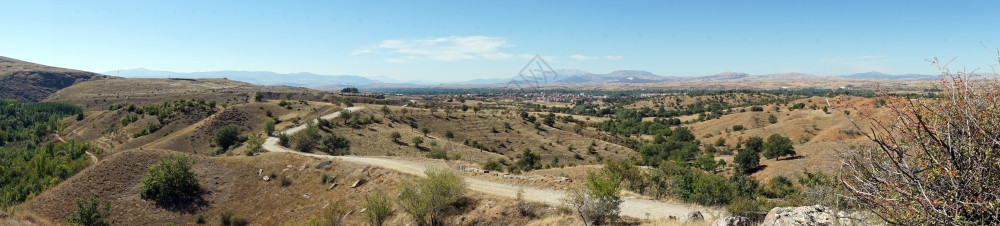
737,128
226,136
335,145
170,181
779,187
90,212
283,139
493,165
438,154
377,208
306,140
599,202
269,126
428,199
285,181
705,188
528,160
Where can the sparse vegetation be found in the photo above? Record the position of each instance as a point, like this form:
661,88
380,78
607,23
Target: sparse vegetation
378,207
935,161
429,199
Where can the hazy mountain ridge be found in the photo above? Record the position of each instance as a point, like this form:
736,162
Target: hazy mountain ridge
303,79
563,76
874,75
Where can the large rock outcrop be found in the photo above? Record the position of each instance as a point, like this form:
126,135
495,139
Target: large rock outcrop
808,215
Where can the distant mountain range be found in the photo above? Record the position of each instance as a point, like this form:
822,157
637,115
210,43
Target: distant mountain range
564,76
874,75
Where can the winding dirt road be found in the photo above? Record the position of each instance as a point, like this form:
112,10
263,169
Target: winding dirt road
633,207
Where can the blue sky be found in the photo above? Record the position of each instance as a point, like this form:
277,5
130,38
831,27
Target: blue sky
463,40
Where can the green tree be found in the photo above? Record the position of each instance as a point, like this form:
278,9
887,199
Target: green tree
417,141
395,136
425,130
528,159
777,146
428,199
170,181
226,136
283,139
755,144
377,208
747,159
306,139
549,119
448,134
682,134
772,119
599,201
335,145
90,212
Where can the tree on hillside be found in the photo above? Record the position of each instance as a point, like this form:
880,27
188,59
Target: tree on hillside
933,161
170,181
90,212
269,126
598,202
395,136
226,136
528,160
755,144
777,146
306,139
428,200
747,159
335,145
377,208
417,141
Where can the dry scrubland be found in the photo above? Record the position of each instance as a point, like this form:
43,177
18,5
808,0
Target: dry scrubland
477,137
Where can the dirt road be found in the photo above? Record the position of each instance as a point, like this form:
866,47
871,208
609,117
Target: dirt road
633,207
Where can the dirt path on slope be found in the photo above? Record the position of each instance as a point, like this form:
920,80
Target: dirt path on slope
93,158
633,207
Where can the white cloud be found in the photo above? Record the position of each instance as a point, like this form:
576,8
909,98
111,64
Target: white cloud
613,57
451,48
581,57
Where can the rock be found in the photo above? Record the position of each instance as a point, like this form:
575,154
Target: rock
267,178
331,186
356,184
803,215
695,216
306,195
260,172
732,221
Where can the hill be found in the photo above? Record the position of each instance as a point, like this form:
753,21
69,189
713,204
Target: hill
302,79
30,82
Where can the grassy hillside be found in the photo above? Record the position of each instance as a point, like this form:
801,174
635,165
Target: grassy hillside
29,82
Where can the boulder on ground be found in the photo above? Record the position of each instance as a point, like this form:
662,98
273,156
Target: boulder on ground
732,221
695,216
802,215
